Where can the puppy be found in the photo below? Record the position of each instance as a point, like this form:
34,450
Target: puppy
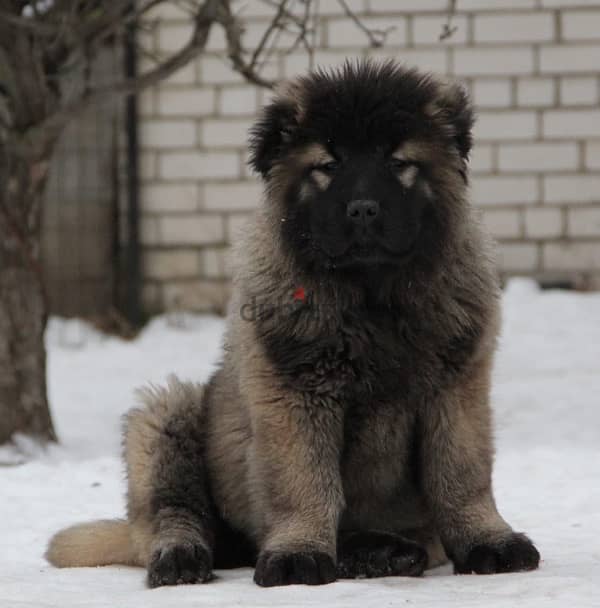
346,432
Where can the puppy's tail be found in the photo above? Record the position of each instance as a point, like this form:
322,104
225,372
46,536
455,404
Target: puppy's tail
97,543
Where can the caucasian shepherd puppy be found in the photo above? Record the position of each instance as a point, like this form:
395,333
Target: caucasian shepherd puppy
347,431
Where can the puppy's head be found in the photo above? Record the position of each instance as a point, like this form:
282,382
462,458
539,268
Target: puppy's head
365,166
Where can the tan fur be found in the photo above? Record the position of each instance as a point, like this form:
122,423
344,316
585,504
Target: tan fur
321,179
291,451
408,176
312,154
98,543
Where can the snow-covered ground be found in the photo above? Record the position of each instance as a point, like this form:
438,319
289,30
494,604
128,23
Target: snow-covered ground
547,477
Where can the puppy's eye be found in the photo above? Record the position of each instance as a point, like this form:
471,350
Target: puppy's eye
399,165
327,168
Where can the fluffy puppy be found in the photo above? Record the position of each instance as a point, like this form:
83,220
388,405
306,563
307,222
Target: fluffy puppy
347,430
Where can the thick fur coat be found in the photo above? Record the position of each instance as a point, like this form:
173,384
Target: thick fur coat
347,431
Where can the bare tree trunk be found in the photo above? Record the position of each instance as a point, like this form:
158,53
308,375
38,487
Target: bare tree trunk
23,307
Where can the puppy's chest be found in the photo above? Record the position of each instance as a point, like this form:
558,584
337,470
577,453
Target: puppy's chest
359,361
380,449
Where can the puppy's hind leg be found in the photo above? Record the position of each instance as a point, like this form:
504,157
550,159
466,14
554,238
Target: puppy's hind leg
169,509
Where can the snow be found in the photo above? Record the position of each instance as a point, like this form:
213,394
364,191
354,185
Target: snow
546,401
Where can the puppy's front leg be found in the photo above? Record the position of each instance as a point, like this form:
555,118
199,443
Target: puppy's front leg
456,458
295,469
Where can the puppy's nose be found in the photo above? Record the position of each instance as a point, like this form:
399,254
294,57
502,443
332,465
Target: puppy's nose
362,211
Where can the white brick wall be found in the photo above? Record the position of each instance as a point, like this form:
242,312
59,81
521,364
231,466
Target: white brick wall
517,27
532,67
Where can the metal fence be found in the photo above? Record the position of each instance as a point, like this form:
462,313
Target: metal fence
82,231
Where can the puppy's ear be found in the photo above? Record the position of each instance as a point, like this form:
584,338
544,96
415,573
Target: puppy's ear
271,134
453,107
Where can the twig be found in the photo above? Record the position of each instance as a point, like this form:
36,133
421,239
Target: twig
447,29
376,37
204,20
235,51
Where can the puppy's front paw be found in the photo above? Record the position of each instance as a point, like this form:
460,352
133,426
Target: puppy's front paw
275,568
513,554
184,563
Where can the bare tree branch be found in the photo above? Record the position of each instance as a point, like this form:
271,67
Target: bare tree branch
203,22
235,50
448,29
32,25
376,37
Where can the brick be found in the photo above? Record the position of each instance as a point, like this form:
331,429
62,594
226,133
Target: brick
253,9
427,60
185,75
295,63
492,93
173,36
335,8
503,223
481,158
146,105
237,225
584,222
199,295
493,5
493,60
328,59
146,40
499,190
149,230
213,263
543,223
515,27
537,157
578,91
230,133
571,123
535,92
148,165
191,229
232,196
167,11
253,32
571,189
217,41
238,101
151,298
198,165
571,256
408,6
561,59
185,101
344,33
565,3
518,257
167,133
169,197
171,264
426,29
215,70
580,25
228,262
592,155
505,125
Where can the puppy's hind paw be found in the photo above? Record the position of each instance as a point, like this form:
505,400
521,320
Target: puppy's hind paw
373,554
